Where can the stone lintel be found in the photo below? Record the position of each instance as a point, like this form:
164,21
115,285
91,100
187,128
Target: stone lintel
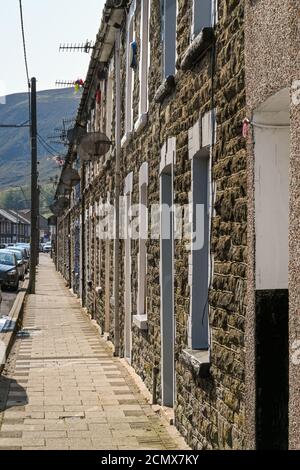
141,122
197,48
165,89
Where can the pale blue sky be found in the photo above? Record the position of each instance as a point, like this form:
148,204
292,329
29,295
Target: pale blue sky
47,24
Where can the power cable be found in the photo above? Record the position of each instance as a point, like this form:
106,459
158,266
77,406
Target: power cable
25,58
49,147
24,43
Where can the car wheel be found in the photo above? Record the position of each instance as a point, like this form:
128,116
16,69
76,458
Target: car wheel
16,286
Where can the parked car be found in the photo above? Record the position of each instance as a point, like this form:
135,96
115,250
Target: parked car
23,245
47,248
2,246
9,273
25,253
21,262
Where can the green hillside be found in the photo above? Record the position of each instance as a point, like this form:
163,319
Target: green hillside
53,107
19,198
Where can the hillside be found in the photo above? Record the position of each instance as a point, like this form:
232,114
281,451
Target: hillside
53,106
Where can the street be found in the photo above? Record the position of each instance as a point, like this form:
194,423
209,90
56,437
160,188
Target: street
8,298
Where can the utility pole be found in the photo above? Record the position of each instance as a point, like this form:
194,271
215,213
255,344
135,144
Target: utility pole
117,195
34,190
38,227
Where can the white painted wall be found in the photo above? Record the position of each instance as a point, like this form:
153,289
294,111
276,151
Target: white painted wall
272,151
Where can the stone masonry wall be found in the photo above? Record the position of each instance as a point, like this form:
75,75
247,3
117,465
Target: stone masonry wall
209,412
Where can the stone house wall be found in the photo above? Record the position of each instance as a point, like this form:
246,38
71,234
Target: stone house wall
209,412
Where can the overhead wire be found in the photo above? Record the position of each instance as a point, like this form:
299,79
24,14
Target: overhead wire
48,147
25,57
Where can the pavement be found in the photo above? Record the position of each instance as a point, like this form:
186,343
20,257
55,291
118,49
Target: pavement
62,389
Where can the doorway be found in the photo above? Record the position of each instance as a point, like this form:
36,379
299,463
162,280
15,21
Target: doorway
272,153
167,287
127,271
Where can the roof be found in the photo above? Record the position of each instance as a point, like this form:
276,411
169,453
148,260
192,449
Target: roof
7,215
113,15
21,217
14,216
26,214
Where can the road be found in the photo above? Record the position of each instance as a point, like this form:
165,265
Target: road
8,298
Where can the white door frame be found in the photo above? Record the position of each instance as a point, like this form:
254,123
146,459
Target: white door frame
167,317
128,186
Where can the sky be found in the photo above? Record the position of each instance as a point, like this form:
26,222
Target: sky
47,24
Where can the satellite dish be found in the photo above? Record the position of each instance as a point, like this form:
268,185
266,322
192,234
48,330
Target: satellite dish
75,133
70,176
93,145
61,189
59,206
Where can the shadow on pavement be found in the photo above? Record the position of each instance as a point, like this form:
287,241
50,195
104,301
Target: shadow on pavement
12,394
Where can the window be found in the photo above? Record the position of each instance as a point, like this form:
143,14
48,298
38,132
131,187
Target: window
144,63
201,137
141,318
129,74
204,15
109,101
168,32
198,328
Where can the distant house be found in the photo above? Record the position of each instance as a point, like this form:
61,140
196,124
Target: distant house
43,224
14,227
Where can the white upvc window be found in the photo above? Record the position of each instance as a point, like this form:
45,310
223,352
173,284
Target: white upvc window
204,15
109,100
168,31
143,229
129,75
144,63
202,136
140,319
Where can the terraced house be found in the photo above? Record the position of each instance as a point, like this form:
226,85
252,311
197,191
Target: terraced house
193,105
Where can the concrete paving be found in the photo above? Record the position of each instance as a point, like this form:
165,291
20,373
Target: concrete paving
63,389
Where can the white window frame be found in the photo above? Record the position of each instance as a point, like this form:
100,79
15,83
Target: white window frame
140,319
144,64
168,37
109,100
201,137
128,189
196,12
129,76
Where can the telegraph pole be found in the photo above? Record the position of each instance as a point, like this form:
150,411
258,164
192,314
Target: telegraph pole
117,196
34,190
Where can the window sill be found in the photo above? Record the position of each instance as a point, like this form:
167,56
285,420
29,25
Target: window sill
140,321
141,122
126,139
197,361
165,89
197,48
